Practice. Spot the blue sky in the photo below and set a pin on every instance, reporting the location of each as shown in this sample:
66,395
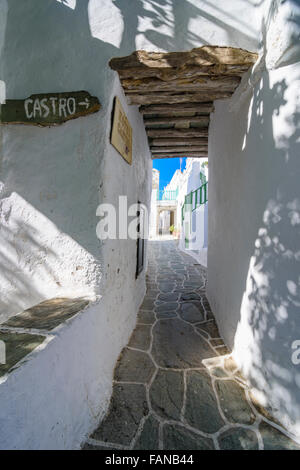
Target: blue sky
167,168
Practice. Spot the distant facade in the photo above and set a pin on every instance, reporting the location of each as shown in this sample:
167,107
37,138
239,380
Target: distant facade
163,209
170,212
194,210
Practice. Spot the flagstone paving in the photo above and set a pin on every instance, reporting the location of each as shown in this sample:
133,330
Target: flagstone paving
176,386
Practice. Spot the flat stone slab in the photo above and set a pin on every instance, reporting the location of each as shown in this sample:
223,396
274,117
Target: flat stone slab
149,437
176,437
207,308
140,337
151,285
166,314
153,294
202,333
222,350
146,317
273,439
189,296
49,314
233,402
217,342
182,290
211,328
170,277
201,404
16,347
168,297
148,303
166,307
176,345
191,312
134,366
218,372
166,394
238,439
166,287
127,408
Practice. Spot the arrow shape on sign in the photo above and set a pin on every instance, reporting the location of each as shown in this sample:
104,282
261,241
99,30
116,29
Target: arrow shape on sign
85,103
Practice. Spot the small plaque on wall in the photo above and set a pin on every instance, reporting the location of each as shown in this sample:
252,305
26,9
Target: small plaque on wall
121,134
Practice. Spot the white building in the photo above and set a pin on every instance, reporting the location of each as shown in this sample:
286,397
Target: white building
170,205
163,210
194,211
53,180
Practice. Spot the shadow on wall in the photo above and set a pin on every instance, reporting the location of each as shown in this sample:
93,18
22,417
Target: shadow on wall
269,318
12,276
13,268
59,172
65,26
57,52
211,19
37,261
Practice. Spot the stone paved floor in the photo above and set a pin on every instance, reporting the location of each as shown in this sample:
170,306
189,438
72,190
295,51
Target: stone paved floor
176,386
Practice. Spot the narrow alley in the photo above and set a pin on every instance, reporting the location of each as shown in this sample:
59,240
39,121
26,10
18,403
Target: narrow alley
149,225
175,385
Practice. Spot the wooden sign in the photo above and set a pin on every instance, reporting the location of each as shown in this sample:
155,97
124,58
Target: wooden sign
50,109
121,135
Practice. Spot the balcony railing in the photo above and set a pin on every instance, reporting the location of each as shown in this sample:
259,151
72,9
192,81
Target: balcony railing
194,199
167,195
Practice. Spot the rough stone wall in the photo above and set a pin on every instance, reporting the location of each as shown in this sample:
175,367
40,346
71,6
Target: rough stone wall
254,214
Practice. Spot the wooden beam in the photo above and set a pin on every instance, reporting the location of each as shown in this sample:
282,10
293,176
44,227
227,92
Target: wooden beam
170,73
201,108
205,55
203,120
178,142
194,132
191,148
202,84
173,98
182,125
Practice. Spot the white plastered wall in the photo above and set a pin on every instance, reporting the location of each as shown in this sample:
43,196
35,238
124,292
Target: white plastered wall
254,218
52,180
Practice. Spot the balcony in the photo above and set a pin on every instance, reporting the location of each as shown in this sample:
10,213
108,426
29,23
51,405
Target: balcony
167,195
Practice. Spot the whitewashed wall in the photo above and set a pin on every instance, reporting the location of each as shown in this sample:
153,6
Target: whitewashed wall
254,217
64,46
52,180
